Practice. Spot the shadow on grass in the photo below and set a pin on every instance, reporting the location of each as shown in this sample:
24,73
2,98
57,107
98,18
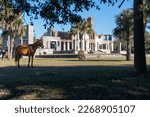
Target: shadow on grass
104,60
76,82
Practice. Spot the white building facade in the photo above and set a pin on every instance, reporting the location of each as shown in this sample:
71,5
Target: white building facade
28,38
93,42
65,42
57,41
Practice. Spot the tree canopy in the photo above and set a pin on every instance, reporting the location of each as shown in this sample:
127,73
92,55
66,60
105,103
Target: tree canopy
124,29
55,11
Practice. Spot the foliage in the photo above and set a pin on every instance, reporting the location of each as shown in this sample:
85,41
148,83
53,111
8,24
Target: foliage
124,29
11,23
147,42
83,27
117,43
56,11
124,25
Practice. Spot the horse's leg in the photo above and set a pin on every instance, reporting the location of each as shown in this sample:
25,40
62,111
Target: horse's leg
17,58
18,62
29,61
2,57
3,54
32,62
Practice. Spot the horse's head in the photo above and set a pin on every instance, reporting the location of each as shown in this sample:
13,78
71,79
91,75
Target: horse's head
39,43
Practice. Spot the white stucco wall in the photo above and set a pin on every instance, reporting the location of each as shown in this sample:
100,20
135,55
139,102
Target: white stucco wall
30,33
47,42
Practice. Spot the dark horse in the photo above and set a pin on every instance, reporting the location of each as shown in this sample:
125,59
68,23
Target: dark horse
4,54
27,50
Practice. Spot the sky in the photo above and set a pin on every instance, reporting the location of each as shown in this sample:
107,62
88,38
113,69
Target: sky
104,20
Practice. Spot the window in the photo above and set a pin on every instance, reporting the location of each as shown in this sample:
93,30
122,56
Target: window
104,46
105,37
70,45
110,37
62,46
53,44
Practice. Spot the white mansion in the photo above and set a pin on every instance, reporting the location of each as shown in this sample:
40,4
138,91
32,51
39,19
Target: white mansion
65,42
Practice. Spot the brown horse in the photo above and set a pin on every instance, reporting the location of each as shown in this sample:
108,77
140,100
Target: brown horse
81,55
27,50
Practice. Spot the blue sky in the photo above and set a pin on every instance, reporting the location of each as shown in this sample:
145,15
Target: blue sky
104,20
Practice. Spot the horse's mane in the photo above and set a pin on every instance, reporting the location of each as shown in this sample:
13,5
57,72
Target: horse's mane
34,43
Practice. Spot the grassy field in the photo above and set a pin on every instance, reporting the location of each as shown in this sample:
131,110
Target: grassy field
68,78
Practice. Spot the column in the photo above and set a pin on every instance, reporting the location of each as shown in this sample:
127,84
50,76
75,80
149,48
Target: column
112,46
56,47
76,46
120,47
97,46
47,44
78,41
79,45
68,46
108,46
64,46
73,45
87,45
83,44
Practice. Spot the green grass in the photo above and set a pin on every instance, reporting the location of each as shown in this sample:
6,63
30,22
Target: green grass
68,78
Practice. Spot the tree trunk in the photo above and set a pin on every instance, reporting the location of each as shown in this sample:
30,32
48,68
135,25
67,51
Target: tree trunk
139,40
9,47
128,56
21,40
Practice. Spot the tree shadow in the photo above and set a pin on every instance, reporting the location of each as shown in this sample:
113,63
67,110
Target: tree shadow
75,82
95,60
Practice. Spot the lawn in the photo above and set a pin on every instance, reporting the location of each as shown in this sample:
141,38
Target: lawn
68,78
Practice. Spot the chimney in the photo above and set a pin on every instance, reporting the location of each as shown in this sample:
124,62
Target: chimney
90,21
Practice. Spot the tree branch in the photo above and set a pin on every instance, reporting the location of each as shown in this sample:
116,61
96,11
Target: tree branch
121,3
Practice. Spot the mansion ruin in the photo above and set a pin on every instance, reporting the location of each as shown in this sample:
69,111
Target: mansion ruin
67,42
